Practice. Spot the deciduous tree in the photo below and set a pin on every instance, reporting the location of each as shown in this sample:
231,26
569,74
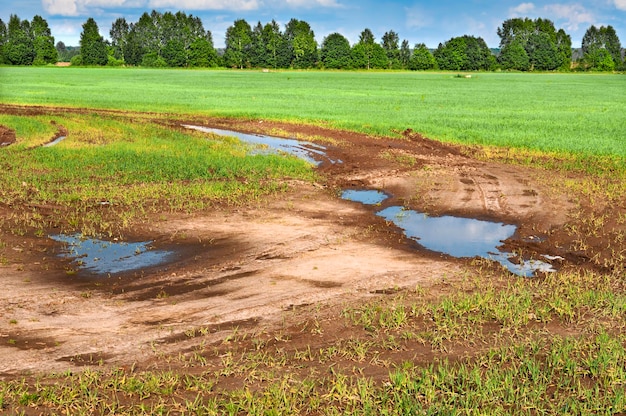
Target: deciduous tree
422,59
302,44
597,44
335,52
238,43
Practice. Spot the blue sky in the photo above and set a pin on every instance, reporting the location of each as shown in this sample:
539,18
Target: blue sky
429,22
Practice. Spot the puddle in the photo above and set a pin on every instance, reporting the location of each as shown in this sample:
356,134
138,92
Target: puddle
106,257
55,141
311,152
367,197
455,236
462,237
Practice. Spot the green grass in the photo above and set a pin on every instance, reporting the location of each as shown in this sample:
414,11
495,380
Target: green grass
574,113
134,167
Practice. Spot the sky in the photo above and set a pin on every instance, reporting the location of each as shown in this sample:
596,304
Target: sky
429,22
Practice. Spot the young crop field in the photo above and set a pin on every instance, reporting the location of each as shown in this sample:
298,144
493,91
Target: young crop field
275,295
578,113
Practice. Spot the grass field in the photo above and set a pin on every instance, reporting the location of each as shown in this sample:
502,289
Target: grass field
579,113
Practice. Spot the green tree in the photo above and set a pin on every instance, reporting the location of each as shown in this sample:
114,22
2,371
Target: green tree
3,40
43,42
391,44
405,54
546,48
363,51
335,52
466,53
93,48
302,44
422,59
514,57
596,44
276,46
202,53
238,44
119,36
258,51
542,52
19,48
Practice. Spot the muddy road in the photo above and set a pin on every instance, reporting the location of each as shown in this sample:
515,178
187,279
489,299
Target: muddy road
281,259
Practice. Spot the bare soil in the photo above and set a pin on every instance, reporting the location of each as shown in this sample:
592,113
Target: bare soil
273,264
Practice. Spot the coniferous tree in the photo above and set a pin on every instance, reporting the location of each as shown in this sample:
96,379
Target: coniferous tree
93,49
391,44
43,42
276,46
3,40
405,54
19,48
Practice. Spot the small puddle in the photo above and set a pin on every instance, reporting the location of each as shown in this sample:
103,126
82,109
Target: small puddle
455,236
367,197
107,257
309,151
55,141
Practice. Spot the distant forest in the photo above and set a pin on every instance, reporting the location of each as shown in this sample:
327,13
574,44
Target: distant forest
180,40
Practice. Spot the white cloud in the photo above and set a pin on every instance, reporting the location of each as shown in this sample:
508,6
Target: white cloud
238,5
620,4
572,14
522,9
417,18
84,7
60,7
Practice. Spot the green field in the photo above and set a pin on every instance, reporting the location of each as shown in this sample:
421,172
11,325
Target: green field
578,113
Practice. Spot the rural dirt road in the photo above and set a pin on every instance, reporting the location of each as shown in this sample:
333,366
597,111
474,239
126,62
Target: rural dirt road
271,264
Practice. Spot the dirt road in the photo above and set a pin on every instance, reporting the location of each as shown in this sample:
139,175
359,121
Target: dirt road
243,267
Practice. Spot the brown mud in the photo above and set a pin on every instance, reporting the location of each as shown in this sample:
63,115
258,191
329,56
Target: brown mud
273,264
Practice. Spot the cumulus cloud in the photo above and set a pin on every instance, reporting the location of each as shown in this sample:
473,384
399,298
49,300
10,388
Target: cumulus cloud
522,9
572,14
620,4
312,3
60,7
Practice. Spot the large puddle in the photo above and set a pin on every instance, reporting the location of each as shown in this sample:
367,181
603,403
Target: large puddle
107,257
455,236
309,151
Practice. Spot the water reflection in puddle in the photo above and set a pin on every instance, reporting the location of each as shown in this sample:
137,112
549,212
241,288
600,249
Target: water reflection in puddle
462,237
55,141
367,197
311,152
456,236
106,257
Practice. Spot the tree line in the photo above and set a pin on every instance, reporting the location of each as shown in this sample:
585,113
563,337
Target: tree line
180,40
